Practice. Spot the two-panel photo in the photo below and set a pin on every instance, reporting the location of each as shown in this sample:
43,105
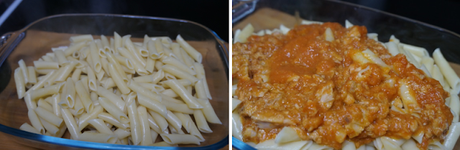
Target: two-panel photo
230,75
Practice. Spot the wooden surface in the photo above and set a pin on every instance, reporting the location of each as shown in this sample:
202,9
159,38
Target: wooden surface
13,112
267,18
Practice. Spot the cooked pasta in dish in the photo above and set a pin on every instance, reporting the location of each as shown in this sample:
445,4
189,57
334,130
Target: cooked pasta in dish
118,92
322,85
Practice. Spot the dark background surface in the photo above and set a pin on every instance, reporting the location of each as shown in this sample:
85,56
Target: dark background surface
441,13
213,14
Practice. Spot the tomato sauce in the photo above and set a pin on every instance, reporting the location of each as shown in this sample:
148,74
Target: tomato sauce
303,81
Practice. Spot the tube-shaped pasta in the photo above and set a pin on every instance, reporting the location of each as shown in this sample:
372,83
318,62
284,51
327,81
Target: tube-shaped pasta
81,38
31,75
200,91
136,131
138,66
83,120
24,70
153,124
159,47
189,49
112,120
150,65
199,68
177,107
70,123
49,127
96,60
189,125
187,59
124,61
118,80
121,133
145,127
173,120
44,104
105,65
201,122
114,99
35,121
35,94
48,116
20,83
179,73
27,127
60,56
175,47
100,126
186,96
46,65
138,89
153,54
113,110
105,43
112,60
176,63
76,75
160,120
78,107
152,104
130,46
84,96
209,112
75,47
66,70
69,95
108,83
56,108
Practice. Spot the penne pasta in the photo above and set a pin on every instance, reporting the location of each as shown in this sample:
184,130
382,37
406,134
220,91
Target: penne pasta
20,83
189,49
116,91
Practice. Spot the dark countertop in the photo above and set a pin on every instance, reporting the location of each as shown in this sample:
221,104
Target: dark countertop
441,13
213,14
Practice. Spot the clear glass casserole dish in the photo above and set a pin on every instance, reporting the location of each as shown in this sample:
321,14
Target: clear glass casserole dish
37,39
270,14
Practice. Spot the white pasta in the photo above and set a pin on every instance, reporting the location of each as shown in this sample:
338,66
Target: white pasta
118,91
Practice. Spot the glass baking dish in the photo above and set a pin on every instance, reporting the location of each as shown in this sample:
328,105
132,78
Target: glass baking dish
270,14
37,39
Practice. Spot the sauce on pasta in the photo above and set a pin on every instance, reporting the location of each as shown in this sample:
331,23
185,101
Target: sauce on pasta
316,86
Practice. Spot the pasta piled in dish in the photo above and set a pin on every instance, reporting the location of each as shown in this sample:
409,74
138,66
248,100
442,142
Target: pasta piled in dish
331,86
118,92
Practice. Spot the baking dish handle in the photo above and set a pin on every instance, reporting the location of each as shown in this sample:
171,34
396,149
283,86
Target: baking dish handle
8,42
226,48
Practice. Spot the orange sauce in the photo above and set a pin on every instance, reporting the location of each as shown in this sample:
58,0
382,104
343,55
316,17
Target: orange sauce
302,81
